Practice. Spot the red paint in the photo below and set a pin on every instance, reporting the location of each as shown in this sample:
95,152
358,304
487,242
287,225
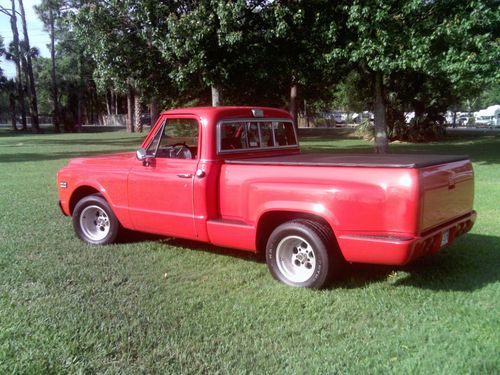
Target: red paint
378,214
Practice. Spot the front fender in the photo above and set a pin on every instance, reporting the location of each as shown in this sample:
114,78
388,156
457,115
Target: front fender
115,194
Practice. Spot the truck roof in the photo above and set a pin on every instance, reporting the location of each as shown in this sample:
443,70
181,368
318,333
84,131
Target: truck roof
235,111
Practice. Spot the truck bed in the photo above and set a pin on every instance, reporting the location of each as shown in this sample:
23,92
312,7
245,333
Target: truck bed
354,160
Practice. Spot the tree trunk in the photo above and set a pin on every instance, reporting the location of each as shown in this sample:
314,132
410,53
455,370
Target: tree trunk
153,111
24,68
215,96
130,110
12,105
17,60
454,123
55,96
109,104
293,103
79,112
137,113
381,142
35,126
90,118
306,115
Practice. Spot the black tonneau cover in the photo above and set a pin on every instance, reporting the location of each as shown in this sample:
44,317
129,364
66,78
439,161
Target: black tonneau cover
353,160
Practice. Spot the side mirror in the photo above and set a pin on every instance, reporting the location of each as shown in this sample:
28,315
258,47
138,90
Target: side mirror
140,154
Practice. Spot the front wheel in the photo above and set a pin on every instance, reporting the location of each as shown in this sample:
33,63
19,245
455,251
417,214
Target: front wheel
94,221
302,253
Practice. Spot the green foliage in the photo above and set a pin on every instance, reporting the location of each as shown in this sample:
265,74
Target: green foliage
299,37
41,70
220,44
252,51
490,96
365,130
118,37
152,305
352,93
432,55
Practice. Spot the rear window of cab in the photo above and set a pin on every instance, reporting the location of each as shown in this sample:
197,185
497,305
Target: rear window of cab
248,135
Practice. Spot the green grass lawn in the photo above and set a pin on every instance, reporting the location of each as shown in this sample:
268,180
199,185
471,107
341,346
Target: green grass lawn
152,305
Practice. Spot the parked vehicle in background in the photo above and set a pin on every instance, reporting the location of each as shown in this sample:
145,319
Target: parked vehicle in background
340,118
146,119
358,118
409,116
488,117
235,177
462,120
334,118
483,121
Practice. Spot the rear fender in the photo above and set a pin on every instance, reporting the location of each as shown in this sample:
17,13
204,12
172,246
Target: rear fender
309,208
279,212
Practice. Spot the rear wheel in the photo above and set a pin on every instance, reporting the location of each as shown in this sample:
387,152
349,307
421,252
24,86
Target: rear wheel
303,253
94,221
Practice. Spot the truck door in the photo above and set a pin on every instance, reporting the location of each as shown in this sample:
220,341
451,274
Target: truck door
160,187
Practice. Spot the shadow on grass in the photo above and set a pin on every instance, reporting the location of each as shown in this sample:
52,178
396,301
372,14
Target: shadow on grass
81,141
34,157
469,264
462,267
189,245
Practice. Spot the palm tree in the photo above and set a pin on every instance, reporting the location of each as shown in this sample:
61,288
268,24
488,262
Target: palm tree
47,11
9,86
13,54
35,125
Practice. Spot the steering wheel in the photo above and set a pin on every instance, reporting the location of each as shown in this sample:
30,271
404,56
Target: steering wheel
181,151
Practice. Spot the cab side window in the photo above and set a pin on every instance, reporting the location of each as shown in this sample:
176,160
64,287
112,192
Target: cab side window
177,138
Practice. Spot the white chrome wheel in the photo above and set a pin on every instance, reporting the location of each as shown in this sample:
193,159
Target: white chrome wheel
295,259
94,223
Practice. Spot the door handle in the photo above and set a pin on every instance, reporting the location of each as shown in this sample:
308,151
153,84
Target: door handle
185,175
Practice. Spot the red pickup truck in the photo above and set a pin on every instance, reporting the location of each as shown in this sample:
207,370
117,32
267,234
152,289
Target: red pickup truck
235,177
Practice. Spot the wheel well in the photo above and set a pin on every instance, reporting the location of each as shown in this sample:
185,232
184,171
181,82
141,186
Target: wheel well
80,193
270,220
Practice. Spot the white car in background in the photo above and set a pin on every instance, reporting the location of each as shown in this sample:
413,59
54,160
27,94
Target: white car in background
488,117
482,121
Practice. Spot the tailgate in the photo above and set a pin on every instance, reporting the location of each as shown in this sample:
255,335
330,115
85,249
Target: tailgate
447,193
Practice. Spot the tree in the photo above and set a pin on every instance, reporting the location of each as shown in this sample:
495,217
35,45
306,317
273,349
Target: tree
298,38
14,54
117,36
78,99
31,84
238,52
47,11
199,41
438,40
490,96
7,87
244,52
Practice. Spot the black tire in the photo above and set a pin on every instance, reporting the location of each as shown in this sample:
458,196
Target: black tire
303,253
94,221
